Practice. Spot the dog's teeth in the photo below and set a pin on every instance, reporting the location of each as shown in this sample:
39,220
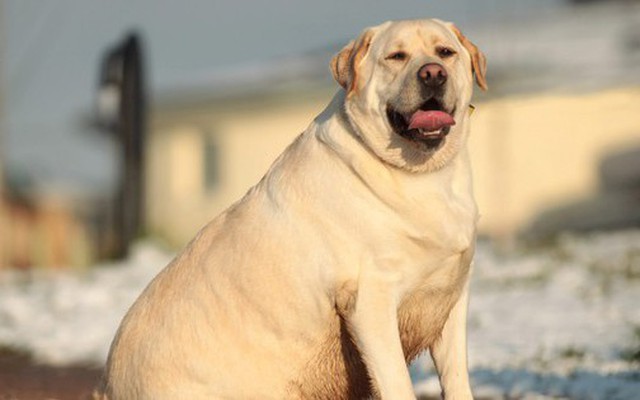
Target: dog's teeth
428,133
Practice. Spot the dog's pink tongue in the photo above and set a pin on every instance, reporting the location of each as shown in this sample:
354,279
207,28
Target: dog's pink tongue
430,120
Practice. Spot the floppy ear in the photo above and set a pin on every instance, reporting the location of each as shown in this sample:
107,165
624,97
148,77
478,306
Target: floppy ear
340,64
345,64
478,60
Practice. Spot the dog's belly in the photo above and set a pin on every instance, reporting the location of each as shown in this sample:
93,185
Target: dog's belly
336,370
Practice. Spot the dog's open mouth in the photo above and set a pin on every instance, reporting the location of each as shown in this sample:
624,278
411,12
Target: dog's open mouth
428,125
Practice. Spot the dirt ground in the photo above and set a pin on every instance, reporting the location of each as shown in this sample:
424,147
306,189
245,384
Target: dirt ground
23,379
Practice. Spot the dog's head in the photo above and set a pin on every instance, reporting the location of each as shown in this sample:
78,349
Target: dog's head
408,86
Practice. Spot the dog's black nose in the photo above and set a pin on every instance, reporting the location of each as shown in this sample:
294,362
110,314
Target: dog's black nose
432,75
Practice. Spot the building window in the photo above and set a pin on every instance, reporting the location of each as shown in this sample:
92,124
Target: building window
211,162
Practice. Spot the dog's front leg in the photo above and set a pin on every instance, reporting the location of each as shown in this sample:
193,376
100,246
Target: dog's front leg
373,323
449,353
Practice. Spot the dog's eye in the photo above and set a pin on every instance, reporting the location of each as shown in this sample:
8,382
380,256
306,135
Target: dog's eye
398,56
445,52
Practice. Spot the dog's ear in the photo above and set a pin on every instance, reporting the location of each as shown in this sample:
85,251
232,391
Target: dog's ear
478,60
345,64
340,64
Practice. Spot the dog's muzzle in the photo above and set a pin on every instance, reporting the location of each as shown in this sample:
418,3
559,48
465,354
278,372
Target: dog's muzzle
428,125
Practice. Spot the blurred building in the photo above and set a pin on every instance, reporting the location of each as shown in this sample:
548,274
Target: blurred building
530,151
552,112
534,152
206,148
46,229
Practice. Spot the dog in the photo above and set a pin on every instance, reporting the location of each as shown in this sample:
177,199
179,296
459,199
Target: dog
348,259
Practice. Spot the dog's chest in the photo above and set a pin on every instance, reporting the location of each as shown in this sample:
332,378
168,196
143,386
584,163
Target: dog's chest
437,274
424,311
439,212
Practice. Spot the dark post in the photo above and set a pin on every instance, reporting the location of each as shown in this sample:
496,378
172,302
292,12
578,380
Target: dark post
122,111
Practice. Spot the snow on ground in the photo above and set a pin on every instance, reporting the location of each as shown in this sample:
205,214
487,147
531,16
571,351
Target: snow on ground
554,322
65,317
560,321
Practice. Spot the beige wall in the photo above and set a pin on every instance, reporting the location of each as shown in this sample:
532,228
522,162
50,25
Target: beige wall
174,184
248,142
529,153
535,152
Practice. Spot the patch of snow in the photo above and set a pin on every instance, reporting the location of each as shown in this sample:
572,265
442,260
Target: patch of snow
553,322
65,317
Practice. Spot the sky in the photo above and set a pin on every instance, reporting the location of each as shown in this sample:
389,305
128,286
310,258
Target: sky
52,51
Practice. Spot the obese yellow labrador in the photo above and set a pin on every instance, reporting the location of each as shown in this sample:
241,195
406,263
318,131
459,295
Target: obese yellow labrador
347,260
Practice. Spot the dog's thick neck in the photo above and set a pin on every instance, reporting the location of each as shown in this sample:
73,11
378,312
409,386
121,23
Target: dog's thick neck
335,129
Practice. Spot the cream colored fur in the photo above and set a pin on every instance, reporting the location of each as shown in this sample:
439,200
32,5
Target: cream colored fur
348,259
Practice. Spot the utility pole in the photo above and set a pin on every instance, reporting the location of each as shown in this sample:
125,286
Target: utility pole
122,113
